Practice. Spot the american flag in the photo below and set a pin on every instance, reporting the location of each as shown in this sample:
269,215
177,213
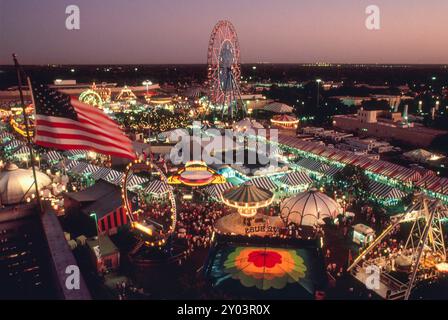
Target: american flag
63,122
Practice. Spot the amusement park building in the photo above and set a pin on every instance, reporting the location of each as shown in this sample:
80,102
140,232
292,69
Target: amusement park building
101,202
385,125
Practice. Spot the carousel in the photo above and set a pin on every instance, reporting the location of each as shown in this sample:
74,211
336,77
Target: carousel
285,121
248,199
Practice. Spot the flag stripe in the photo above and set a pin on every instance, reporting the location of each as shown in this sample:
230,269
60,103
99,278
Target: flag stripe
81,145
79,136
80,141
109,126
88,110
56,122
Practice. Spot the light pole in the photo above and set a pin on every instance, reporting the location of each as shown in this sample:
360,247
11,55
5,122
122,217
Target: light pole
95,217
147,83
318,81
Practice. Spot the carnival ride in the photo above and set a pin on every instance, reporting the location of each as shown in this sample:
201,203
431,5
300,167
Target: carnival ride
91,97
126,95
421,258
196,174
152,231
17,121
224,70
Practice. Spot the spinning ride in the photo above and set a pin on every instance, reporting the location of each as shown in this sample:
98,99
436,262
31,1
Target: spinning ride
151,230
422,256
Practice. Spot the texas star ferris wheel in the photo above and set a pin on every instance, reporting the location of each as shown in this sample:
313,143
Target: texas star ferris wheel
224,70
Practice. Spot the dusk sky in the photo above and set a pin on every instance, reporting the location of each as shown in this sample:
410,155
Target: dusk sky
177,31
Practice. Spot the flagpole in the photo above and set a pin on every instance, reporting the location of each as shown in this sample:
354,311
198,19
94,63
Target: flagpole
25,117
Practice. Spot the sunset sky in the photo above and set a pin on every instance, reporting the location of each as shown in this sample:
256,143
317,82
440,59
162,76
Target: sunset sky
177,31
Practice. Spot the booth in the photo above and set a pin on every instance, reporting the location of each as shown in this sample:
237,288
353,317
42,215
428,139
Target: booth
362,234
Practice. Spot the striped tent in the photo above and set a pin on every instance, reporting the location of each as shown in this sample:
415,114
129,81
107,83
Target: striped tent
295,179
134,180
75,153
79,168
331,171
264,183
70,164
4,135
216,190
90,169
101,173
14,144
114,177
21,151
383,191
312,165
434,183
156,187
380,167
52,156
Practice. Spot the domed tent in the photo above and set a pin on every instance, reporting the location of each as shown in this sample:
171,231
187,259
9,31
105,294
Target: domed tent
309,208
247,124
278,107
247,198
285,121
17,184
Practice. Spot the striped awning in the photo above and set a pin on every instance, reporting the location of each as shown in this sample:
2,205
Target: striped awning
383,191
380,167
4,135
14,144
20,151
90,169
216,190
312,165
101,173
52,156
331,171
434,183
79,168
75,153
134,180
70,164
114,177
264,183
156,187
294,179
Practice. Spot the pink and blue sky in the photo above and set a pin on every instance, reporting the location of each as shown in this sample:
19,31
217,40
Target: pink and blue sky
177,31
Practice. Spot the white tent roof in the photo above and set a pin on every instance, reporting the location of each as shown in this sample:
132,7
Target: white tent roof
278,107
176,134
307,208
247,124
17,184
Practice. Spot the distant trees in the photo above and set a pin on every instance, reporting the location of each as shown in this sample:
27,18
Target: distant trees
375,104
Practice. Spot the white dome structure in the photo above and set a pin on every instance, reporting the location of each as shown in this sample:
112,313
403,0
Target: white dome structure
309,208
18,184
278,107
247,124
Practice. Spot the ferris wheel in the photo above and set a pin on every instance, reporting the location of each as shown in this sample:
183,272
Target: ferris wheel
151,230
91,97
224,69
